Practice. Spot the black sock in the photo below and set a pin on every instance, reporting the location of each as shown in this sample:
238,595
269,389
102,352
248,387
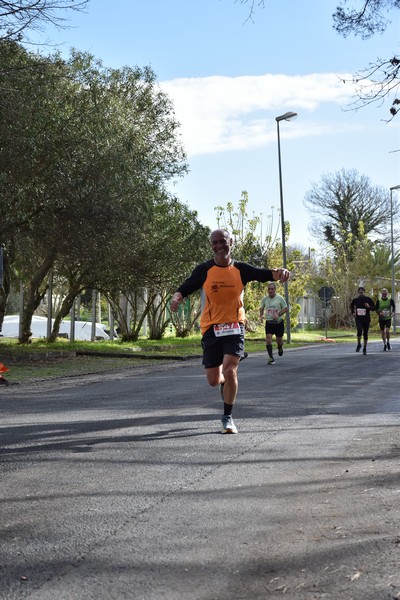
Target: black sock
269,350
227,409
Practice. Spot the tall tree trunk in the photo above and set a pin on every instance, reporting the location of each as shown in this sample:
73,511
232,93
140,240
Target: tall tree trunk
128,332
74,289
34,294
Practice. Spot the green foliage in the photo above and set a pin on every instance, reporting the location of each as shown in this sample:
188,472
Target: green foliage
87,153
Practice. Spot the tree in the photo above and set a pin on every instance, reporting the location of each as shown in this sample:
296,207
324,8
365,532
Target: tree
370,266
377,82
380,265
25,96
86,152
131,130
381,78
345,206
16,18
178,242
366,20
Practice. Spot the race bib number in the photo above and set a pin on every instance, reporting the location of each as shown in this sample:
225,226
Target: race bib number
385,313
272,314
223,329
361,312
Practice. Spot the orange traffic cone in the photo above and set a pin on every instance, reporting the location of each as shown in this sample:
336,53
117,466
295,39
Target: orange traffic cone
3,369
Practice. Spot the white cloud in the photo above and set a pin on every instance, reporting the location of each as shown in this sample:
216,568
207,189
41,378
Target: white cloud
235,113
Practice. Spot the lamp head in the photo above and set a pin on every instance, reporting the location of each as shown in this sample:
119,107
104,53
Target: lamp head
395,187
289,116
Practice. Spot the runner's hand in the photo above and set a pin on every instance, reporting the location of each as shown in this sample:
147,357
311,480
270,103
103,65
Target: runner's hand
281,275
175,302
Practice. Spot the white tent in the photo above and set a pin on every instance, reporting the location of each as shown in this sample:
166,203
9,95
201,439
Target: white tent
83,329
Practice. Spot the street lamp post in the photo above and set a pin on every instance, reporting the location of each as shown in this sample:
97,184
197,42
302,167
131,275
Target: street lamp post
395,187
286,117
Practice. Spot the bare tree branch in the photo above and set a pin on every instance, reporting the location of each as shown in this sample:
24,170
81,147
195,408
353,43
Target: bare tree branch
364,21
20,16
377,83
381,79
253,5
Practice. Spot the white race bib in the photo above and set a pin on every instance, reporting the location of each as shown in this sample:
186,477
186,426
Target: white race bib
272,313
227,329
361,312
386,313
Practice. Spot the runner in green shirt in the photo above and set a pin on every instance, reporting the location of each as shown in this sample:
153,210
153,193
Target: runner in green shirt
275,306
385,309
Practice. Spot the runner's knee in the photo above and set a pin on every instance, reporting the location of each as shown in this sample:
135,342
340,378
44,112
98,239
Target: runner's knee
230,370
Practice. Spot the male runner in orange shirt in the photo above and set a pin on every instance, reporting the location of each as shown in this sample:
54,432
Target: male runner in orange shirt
222,281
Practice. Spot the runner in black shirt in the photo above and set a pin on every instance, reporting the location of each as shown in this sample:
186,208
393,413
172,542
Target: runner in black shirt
361,308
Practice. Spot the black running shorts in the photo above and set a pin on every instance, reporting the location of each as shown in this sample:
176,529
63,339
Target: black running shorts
385,323
277,329
215,348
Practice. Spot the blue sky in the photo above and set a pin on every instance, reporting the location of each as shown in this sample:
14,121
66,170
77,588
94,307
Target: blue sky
229,77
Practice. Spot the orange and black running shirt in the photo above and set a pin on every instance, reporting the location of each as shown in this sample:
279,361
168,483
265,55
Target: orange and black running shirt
222,290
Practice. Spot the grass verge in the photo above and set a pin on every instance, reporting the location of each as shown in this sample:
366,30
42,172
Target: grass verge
40,360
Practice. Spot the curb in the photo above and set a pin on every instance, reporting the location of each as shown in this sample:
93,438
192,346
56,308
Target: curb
129,355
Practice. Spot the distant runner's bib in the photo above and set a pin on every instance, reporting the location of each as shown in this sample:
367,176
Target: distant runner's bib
227,329
361,312
273,314
386,313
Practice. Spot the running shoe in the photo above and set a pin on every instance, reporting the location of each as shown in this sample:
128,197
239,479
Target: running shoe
358,348
280,350
221,390
228,426
384,348
271,361
364,351
245,355
388,346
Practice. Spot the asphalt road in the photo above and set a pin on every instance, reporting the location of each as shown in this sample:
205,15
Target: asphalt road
121,486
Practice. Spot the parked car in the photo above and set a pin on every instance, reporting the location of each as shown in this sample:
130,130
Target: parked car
83,329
